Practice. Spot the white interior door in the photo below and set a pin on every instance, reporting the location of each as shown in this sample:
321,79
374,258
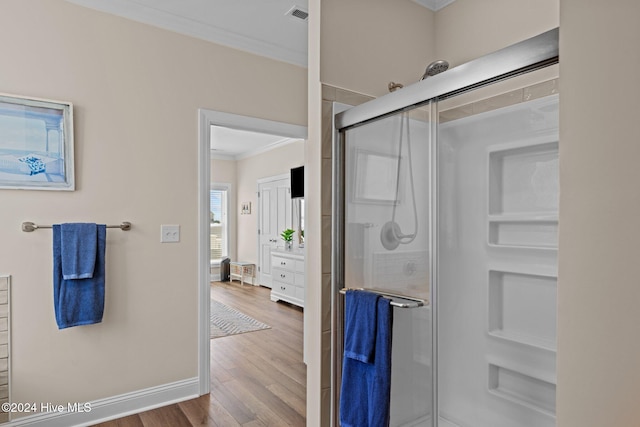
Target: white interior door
497,267
274,200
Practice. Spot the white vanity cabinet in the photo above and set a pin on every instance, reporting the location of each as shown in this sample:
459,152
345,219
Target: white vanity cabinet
287,272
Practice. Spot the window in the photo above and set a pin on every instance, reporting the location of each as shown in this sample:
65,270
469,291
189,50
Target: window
219,223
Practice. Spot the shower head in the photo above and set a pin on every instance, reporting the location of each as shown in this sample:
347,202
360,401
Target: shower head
436,67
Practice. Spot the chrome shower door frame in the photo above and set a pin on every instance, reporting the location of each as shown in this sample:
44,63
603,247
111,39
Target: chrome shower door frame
529,55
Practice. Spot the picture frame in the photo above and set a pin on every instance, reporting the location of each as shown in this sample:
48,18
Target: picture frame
245,208
375,178
36,144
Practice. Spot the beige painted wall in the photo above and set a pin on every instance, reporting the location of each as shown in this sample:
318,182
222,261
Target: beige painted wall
468,29
271,163
225,172
317,398
599,291
365,44
136,91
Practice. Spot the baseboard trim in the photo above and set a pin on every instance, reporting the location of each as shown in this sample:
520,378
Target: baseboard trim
115,407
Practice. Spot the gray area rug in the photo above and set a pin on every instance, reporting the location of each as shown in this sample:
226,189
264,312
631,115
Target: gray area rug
227,321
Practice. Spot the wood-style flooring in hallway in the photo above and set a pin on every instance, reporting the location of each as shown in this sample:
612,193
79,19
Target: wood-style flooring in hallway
257,378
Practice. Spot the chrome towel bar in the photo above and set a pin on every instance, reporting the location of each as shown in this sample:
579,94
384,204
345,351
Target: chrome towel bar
30,226
407,302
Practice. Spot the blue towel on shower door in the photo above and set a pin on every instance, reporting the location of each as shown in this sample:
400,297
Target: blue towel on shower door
366,367
78,301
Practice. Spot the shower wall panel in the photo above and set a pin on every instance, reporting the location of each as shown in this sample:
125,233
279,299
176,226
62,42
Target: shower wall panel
497,257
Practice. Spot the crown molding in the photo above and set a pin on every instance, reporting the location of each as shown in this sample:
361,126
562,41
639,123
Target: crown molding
434,5
280,143
158,18
273,146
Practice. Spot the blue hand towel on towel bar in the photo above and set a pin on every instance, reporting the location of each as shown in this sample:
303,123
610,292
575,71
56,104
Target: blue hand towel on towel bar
366,367
79,246
78,301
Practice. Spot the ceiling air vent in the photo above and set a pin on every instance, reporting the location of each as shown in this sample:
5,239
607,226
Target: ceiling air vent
298,12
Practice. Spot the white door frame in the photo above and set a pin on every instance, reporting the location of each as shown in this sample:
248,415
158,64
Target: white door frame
206,118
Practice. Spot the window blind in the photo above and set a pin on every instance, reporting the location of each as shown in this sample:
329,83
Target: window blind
217,223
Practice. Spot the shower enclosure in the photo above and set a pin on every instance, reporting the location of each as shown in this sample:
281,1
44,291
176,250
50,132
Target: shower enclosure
446,201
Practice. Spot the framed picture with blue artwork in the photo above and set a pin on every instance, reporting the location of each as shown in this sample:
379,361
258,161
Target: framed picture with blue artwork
36,144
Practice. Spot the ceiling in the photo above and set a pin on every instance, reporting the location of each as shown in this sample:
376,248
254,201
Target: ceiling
262,27
232,144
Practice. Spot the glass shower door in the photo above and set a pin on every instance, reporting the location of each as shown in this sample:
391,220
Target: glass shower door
460,209
387,243
497,223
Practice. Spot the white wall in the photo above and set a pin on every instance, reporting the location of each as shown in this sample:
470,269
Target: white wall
136,91
273,162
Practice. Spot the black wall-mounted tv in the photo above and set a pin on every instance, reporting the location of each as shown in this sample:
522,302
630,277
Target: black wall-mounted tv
297,182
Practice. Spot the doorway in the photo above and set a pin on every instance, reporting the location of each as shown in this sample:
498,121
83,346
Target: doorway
206,120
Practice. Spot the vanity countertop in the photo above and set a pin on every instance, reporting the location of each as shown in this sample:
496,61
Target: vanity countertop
298,252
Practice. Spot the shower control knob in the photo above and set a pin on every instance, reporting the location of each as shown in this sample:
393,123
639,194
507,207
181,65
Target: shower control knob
409,268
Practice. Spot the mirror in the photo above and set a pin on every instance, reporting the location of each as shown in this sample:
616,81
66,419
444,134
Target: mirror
298,219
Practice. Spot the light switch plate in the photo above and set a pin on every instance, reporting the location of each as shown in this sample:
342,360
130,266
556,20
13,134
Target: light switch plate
169,233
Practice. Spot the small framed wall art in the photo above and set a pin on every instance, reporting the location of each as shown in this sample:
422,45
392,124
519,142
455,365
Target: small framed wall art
36,144
245,208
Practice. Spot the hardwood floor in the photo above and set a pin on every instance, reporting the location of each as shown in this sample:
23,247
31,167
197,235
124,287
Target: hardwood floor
257,378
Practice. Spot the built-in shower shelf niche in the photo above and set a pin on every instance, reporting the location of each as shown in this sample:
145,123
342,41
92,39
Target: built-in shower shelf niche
523,177
525,389
529,231
522,308
523,194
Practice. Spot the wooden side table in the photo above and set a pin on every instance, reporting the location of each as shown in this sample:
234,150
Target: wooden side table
240,270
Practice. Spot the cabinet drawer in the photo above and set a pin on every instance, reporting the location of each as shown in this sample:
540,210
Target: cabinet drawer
299,266
284,276
284,289
280,262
